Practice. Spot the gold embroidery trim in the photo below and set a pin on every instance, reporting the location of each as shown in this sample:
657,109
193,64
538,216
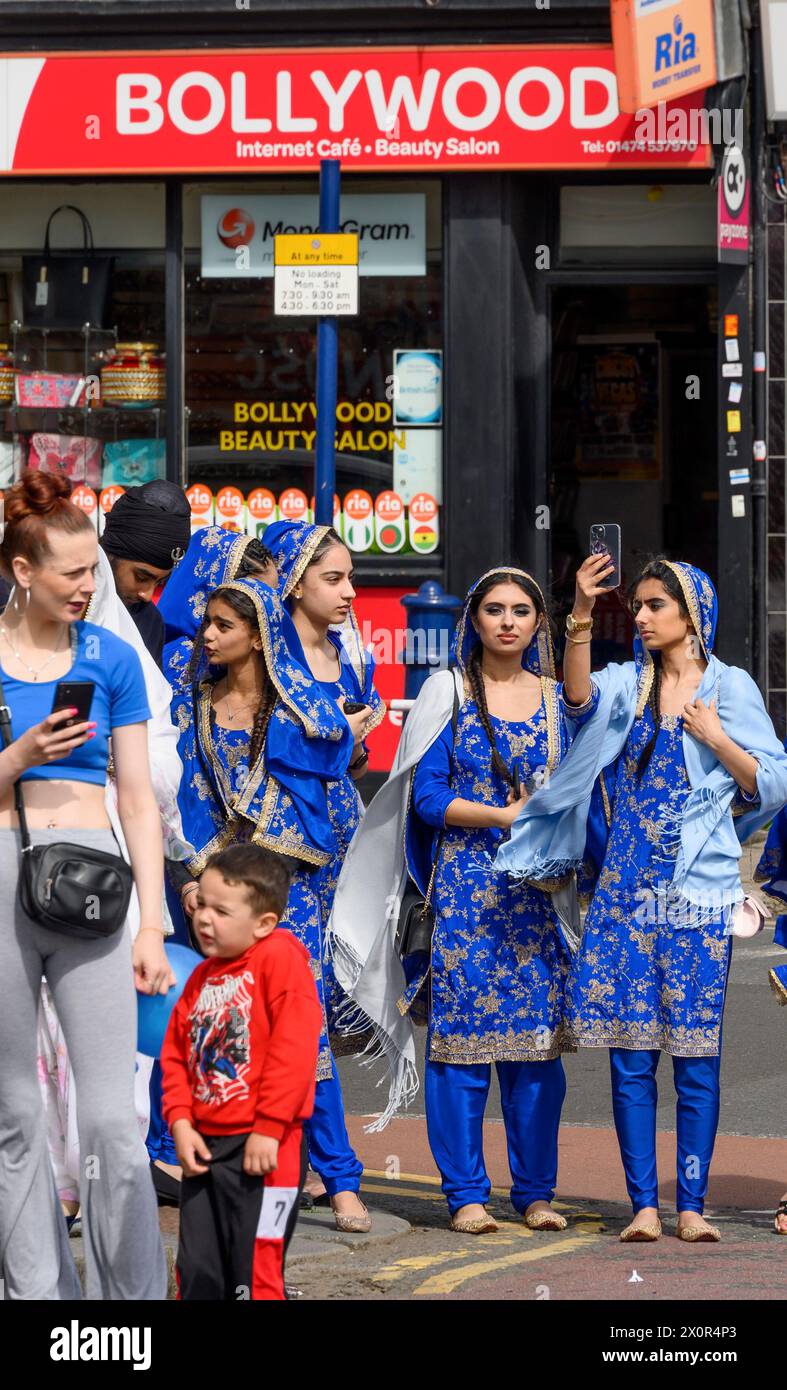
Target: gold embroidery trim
605,799
552,710
236,553
220,841
544,647
692,605
511,1047
304,559
647,1037
647,673
270,661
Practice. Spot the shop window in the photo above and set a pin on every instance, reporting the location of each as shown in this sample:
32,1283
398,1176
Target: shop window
250,376
624,223
82,390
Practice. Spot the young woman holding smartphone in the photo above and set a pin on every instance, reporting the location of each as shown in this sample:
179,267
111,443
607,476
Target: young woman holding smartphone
50,552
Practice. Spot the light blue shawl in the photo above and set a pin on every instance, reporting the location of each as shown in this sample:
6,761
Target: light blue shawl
548,838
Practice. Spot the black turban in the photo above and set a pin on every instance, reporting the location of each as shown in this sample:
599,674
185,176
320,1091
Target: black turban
150,524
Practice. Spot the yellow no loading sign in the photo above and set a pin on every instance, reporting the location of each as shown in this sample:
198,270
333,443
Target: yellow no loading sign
316,248
315,274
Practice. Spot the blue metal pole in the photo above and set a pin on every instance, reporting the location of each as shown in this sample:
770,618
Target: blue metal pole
327,360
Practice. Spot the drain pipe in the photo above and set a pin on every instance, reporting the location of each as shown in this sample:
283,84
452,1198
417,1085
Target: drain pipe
759,328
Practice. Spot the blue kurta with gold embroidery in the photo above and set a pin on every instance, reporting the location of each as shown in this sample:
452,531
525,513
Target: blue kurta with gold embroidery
344,813
303,916
499,966
645,976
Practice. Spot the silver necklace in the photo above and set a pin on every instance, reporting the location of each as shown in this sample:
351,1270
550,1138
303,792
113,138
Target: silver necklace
35,671
230,712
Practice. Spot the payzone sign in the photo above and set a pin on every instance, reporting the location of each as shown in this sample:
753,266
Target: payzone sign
518,107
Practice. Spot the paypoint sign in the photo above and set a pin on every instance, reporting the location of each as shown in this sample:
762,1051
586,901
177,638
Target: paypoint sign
397,109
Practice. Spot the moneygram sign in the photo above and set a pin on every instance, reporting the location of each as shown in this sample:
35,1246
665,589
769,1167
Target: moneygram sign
375,109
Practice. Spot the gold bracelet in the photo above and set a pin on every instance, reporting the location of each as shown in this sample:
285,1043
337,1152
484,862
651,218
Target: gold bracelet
579,641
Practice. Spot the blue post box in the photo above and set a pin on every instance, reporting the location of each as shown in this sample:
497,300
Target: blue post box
431,620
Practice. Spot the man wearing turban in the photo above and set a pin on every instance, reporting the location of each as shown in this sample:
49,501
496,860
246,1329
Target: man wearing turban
146,533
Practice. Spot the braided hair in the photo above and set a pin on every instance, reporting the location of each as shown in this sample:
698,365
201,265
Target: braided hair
244,609
254,561
660,570
474,669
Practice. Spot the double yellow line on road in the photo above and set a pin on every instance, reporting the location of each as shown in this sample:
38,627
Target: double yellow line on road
511,1233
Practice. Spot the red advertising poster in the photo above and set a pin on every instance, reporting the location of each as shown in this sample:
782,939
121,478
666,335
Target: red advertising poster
513,107
382,620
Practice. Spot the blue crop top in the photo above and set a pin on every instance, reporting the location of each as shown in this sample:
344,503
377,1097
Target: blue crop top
119,698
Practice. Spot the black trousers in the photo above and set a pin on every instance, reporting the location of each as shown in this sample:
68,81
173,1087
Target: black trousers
234,1228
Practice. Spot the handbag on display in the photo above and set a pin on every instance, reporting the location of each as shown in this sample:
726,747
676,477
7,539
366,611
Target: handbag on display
66,289
56,390
76,457
72,889
415,927
128,462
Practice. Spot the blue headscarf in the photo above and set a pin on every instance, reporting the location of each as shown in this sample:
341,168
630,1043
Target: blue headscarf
282,803
293,545
548,837
213,558
538,656
702,604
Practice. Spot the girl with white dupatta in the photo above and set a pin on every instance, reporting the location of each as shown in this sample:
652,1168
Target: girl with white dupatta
54,1069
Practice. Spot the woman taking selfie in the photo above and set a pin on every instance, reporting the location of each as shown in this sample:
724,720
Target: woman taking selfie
49,551
691,767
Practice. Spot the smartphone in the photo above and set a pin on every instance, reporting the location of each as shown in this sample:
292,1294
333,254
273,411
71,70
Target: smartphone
76,695
517,783
605,536
353,706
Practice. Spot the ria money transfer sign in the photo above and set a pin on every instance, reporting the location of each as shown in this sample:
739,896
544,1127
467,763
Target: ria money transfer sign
513,107
663,49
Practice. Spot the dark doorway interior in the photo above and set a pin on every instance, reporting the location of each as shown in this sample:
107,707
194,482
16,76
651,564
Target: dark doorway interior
633,433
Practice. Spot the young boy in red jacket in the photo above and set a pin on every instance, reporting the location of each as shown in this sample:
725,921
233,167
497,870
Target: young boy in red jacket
239,1064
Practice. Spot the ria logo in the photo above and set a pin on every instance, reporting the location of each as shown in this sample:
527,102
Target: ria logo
676,47
235,228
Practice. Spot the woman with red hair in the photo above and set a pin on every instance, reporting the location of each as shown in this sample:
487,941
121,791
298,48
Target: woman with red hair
49,551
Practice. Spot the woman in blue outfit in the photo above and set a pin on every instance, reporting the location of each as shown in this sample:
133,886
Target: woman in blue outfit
498,956
214,556
692,766
260,741
315,571
498,963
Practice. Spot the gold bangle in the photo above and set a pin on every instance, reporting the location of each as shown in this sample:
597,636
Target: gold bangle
579,641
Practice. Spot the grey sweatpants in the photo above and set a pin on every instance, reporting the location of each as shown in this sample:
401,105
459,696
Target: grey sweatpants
93,989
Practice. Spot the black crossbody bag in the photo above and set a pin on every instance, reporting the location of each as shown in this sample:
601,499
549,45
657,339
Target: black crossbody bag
72,889
415,928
